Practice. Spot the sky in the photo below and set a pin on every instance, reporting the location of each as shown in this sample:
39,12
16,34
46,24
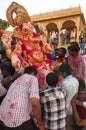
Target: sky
42,6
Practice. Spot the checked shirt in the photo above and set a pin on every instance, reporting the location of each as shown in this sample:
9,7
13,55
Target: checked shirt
53,108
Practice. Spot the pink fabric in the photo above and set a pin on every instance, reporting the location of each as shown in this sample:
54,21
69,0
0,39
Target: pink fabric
84,67
16,106
76,64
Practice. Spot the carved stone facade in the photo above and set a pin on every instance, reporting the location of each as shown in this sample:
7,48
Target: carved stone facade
69,19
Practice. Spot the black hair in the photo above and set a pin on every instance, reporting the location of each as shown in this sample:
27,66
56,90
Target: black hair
63,50
82,90
52,79
30,69
82,84
74,43
74,46
6,66
56,49
65,67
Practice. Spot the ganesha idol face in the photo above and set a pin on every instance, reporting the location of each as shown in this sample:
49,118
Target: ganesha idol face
27,28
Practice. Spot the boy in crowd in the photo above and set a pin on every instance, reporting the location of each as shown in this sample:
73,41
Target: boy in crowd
53,104
70,86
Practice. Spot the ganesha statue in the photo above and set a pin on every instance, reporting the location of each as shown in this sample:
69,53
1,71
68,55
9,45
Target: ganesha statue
31,49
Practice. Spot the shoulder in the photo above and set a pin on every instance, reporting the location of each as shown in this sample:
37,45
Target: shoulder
70,80
51,91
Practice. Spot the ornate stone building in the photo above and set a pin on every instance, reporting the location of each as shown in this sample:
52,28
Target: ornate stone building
69,19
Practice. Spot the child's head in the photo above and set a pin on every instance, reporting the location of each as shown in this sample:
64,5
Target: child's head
6,69
52,79
65,69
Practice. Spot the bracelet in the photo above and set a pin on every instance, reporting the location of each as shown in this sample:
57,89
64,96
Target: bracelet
11,78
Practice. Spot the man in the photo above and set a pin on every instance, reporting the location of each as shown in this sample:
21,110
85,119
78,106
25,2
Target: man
22,98
8,76
53,105
78,120
78,105
70,86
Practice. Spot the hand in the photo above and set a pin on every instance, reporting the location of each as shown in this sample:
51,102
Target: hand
6,41
25,64
16,75
21,70
41,127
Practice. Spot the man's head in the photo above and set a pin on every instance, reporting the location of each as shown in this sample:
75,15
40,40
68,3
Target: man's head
52,79
30,70
73,49
6,69
65,69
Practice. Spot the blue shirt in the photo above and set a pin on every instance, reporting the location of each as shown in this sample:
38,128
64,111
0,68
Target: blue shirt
70,86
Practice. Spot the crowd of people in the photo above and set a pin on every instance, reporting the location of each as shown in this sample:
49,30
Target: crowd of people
65,37
41,87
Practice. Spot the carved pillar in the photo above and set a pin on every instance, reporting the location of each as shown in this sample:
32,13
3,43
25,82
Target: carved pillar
59,42
59,30
78,27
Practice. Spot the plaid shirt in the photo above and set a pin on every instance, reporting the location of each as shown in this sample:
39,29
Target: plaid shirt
53,106
16,107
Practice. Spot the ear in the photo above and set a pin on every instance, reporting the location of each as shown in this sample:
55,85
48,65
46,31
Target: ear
64,74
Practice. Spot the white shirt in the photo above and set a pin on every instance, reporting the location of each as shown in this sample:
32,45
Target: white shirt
16,106
70,86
